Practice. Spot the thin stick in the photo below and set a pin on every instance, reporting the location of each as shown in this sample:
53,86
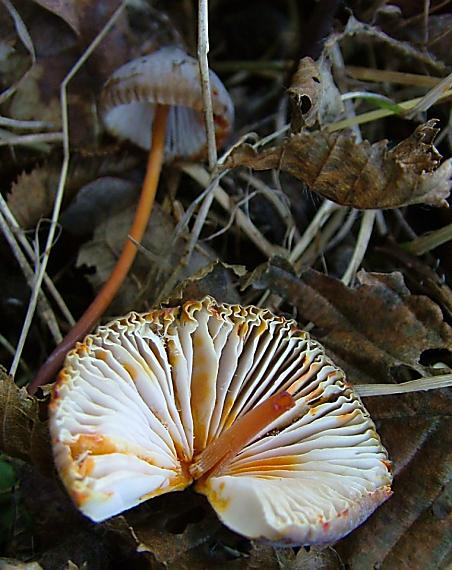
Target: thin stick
18,231
61,185
44,308
419,385
121,269
203,50
245,429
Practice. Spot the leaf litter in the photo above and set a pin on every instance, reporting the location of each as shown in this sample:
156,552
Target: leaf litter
392,324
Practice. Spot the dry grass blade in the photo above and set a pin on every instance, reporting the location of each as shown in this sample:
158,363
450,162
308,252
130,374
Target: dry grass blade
61,185
25,38
45,310
431,97
28,140
419,385
390,76
19,233
427,242
201,175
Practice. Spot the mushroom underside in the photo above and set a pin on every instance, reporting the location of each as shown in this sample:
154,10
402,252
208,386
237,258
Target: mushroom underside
185,132
138,402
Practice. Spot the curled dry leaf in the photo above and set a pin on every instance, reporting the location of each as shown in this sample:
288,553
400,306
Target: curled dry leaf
304,94
374,332
22,433
360,175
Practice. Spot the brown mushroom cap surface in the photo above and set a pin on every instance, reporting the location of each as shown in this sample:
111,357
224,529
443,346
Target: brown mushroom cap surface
167,77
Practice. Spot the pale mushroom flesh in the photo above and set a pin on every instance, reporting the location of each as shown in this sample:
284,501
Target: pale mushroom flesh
139,400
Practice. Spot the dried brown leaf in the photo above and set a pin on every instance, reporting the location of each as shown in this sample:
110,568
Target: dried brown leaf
412,530
38,96
64,9
375,331
355,28
304,94
22,433
216,279
371,331
31,197
360,175
156,261
182,532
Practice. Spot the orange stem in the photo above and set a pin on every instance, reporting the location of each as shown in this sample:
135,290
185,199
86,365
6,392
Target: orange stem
220,452
105,296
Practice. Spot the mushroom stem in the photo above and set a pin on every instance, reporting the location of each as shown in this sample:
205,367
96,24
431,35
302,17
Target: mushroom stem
222,450
105,296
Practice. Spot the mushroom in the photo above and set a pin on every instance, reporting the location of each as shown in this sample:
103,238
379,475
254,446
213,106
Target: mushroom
170,77
235,399
157,97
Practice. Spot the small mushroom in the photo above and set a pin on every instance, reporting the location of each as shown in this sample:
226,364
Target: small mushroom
166,77
158,98
235,399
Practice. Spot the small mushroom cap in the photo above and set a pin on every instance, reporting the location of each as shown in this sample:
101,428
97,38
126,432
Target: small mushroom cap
139,400
168,77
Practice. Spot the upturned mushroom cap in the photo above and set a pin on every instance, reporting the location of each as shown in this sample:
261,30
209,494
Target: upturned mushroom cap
169,77
138,401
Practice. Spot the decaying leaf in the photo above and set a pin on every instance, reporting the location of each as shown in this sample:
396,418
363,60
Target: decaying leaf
358,29
375,332
65,9
22,433
37,97
331,106
96,201
153,265
412,530
31,197
360,175
372,331
180,532
304,93
216,279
